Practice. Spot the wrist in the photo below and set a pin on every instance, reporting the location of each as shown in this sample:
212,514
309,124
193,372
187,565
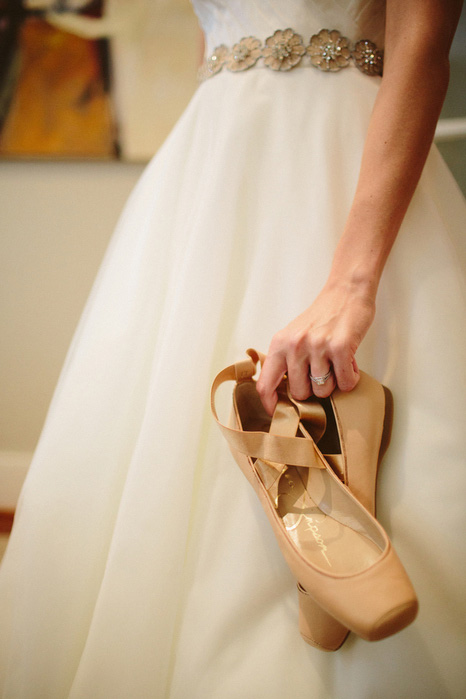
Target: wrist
360,257
354,278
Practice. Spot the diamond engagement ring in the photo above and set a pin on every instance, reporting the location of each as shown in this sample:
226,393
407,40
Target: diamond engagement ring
320,380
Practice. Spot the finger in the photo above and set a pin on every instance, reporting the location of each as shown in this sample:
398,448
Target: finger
346,373
298,377
323,379
271,374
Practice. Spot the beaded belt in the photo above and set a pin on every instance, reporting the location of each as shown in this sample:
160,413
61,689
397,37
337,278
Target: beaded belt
328,50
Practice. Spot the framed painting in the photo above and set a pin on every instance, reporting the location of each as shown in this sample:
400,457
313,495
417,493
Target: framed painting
102,79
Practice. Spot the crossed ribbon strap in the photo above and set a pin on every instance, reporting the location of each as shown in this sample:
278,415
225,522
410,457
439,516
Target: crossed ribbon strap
278,448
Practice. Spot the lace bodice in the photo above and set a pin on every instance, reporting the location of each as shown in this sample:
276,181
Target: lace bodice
227,21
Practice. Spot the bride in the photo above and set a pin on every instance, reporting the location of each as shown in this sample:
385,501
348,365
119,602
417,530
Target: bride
139,564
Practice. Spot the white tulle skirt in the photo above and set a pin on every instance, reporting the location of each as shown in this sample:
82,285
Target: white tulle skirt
141,565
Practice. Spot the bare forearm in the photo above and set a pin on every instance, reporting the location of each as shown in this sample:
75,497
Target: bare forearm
400,133
327,334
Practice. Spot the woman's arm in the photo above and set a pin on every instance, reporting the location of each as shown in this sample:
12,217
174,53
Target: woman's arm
401,129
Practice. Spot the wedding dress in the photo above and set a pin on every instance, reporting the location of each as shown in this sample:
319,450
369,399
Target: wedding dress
141,564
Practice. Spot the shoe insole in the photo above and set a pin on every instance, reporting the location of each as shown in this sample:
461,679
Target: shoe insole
307,499
323,540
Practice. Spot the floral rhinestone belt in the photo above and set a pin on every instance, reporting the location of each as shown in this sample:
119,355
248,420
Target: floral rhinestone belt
328,50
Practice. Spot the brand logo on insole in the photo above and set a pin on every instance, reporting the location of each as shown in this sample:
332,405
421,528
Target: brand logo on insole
312,526
314,529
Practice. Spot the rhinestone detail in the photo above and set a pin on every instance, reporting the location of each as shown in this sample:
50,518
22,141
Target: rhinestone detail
327,50
283,50
244,54
368,58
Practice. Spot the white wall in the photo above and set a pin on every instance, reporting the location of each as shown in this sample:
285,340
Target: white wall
56,220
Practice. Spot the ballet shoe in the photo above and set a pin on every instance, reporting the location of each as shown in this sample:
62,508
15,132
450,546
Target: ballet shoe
317,627
336,549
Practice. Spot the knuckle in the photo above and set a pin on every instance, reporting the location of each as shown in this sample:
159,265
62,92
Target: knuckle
275,345
297,342
300,393
318,343
339,346
347,384
278,342
261,388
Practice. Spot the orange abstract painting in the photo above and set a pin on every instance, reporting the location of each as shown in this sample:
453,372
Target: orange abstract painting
55,97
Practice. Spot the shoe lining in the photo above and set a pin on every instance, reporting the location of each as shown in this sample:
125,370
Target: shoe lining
332,531
322,539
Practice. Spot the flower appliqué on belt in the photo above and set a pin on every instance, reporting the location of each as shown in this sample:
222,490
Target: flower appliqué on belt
215,62
329,50
368,58
283,50
244,54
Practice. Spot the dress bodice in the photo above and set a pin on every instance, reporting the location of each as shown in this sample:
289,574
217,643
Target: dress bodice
227,21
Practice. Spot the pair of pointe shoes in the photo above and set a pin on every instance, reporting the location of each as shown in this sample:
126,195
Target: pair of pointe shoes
313,466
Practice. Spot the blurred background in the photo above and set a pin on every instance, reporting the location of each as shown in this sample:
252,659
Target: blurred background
88,92
93,79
